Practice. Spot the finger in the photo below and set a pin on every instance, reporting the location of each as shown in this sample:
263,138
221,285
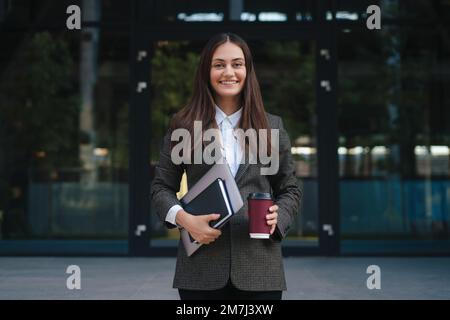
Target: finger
212,240
272,229
271,222
207,240
214,233
271,216
212,216
273,208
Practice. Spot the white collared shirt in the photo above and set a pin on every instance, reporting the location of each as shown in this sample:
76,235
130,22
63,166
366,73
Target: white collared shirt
230,144
231,150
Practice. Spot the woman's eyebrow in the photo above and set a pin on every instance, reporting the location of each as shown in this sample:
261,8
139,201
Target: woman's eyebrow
223,60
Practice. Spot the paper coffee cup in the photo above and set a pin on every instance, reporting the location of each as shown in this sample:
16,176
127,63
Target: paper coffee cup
258,207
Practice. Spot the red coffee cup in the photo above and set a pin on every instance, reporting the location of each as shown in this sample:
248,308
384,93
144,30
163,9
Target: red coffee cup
258,207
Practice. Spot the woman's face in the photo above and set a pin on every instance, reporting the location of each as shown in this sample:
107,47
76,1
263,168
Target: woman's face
228,70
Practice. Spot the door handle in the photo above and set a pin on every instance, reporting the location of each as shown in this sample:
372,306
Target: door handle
328,228
326,85
140,228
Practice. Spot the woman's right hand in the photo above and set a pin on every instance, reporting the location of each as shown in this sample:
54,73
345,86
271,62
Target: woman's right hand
198,226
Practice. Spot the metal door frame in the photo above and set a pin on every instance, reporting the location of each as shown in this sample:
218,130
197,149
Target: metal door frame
143,35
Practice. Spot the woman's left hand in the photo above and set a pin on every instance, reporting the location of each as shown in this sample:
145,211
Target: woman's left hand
272,218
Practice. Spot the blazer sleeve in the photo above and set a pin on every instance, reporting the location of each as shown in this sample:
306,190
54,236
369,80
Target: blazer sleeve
166,183
285,187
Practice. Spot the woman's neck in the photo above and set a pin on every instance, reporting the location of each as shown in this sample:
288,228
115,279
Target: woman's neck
228,106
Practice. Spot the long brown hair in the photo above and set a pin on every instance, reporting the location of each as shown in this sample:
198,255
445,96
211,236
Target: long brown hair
201,106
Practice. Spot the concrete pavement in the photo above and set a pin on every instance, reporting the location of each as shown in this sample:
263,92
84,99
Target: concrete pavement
151,278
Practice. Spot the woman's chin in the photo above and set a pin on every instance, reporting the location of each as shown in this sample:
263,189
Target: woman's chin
229,92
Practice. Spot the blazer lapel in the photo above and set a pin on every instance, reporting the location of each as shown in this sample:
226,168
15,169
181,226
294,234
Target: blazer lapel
242,167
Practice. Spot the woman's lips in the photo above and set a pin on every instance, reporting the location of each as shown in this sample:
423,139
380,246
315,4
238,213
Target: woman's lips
228,82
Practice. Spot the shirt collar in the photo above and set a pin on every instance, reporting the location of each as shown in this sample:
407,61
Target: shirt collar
233,118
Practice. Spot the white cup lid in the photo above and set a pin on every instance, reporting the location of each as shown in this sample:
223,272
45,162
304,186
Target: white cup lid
260,235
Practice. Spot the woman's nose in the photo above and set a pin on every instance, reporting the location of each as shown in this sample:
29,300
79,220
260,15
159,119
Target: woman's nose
228,70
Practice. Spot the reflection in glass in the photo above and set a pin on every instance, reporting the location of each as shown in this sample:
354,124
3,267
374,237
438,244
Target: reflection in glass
177,11
286,72
63,145
394,154
413,11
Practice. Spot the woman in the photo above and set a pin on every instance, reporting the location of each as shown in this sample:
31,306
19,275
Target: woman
229,265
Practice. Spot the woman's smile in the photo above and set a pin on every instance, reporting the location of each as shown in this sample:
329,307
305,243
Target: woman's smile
228,82
228,74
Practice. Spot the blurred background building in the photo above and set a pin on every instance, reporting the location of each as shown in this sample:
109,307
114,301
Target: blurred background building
83,112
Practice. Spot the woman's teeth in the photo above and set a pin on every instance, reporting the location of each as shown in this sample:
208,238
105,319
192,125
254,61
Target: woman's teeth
228,82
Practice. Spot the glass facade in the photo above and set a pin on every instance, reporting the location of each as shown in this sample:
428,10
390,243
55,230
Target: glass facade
394,112
64,137
70,102
246,11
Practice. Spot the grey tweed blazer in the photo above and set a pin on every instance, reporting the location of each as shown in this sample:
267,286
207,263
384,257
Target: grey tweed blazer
251,264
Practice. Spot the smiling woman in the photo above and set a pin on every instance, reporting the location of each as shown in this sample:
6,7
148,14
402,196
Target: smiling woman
230,265
225,58
228,75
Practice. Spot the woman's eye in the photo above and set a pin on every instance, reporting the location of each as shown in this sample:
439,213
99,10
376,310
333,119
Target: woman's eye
218,66
238,65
